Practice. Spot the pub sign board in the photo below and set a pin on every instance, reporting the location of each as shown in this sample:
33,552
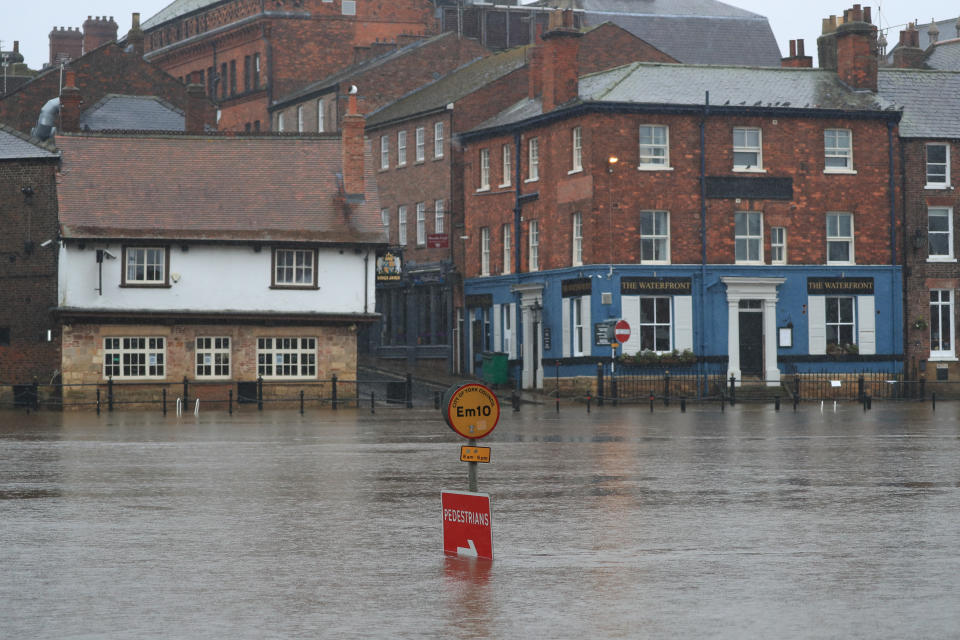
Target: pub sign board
636,285
389,266
576,287
826,286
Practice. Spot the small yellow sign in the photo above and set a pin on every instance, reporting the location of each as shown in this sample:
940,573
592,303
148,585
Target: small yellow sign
472,410
474,454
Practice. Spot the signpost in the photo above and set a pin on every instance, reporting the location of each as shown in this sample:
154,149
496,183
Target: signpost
467,524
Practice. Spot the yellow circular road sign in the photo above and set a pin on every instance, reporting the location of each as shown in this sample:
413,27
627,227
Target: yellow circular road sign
472,410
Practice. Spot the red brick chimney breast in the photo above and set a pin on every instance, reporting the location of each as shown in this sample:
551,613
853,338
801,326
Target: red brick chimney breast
560,70
857,50
70,101
351,132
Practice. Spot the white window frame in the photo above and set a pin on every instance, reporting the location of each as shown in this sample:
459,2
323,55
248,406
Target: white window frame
421,224
576,143
576,257
778,245
277,356
654,145
145,266
506,156
533,257
838,151
385,219
834,236
656,239
507,248
438,213
748,238
420,138
937,184
402,225
294,267
484,251
833,329
947,234
438,139
320,125
300,118
484,170
533,159
134,357
384,152
654,322
401,148
280,124
212,357
941,308
743,145
579,338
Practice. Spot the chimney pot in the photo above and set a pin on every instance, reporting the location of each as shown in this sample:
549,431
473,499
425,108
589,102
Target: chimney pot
800,48
16,46
793,48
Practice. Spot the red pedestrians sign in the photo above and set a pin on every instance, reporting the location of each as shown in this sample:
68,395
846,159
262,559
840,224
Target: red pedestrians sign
467,527
621,331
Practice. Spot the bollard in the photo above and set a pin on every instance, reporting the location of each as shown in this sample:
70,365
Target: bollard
230,402
796,401
588,404
98,400
259,393
722,402
36,395
651,403
613,391
860,388
933,397
869,402
164,395
733,390
599,384
409,391
776,403
333,391
110,393
666,389
186,392
558,404
515,400
683,404
301,401
436,400
372,403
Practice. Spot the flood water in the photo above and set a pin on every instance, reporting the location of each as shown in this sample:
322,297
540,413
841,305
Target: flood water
615,524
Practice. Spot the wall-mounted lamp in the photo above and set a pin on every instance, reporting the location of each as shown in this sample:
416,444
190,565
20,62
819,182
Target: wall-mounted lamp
612,160
919,239
27,193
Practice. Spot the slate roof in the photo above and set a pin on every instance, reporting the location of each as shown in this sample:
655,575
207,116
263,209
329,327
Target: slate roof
451,87
928,99
361,67
132,113
692,31
176,9
685,85
19,146
947,28
945,56
265,188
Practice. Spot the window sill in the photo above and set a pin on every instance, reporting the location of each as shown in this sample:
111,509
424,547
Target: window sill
746,170
842,172
947,357
504,186
293,287
145,285
841,264
654,167
401,166
419,162
573,171
944,259
483,189
435,158
532,180
938,187
668,262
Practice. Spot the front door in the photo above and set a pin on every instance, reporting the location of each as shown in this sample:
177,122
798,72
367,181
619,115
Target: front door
751,338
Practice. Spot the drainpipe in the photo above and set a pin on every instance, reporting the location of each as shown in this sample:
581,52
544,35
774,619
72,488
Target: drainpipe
703,232
893,242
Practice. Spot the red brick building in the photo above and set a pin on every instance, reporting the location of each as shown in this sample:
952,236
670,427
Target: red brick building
28,263
250,53
421,191
744,215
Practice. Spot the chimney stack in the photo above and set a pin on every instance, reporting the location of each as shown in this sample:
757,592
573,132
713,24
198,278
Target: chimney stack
797,57
908,54
856,49
65,44
352,142
98,32
135,36
70,100
199,111
560,71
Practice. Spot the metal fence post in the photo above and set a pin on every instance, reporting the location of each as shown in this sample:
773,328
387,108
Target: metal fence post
409,391
599,384
301,401
333,391
230,401
110,393
36,394
163,395
733,390
186,391
666,389
98,400
860,388
259,393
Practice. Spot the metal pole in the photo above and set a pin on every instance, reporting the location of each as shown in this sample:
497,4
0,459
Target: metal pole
472,470
333,391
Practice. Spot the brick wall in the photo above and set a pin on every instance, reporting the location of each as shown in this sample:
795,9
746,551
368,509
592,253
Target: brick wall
610,202
28,276
106,70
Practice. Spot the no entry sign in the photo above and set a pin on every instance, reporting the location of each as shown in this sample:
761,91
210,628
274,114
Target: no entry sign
467,526
621,331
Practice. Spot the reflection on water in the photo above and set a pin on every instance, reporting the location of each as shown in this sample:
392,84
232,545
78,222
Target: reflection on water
617,523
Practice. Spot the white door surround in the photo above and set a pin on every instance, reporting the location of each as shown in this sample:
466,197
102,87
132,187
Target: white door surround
764,289
531,308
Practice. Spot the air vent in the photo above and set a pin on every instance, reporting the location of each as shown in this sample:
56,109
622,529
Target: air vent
606,298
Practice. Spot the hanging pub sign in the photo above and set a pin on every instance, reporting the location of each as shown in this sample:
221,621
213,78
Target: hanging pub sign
825,286
389,266
576,287
632,285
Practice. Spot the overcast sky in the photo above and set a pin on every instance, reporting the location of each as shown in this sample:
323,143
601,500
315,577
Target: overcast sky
31,22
